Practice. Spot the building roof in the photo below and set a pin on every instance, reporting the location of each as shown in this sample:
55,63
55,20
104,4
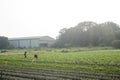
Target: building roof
34,37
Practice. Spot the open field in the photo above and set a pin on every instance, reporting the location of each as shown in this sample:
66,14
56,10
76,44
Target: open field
61,64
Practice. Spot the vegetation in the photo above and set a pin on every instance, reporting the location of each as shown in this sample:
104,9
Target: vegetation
89,34
90,63
85,34
4,42
116,44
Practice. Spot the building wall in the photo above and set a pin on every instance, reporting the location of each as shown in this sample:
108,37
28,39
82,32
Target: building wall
14,43
24,43
34,43
31,43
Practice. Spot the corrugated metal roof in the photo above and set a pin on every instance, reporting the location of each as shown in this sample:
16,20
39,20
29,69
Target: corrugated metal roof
34,37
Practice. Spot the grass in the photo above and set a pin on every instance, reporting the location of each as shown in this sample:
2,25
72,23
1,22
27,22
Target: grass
64,64
97,59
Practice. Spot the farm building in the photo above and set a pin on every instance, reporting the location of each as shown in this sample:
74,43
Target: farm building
31,42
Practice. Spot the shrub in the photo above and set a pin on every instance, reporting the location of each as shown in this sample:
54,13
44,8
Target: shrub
4,43
3,51
116,44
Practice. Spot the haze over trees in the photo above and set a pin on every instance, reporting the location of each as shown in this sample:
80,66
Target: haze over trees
85,34
89,33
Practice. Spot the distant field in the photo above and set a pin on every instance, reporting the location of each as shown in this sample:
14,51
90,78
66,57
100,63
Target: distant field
90,60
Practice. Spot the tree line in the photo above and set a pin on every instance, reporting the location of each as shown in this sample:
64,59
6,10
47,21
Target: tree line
89,33
84,34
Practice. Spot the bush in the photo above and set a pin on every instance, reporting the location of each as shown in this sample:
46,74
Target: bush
4,43
3,51
116,44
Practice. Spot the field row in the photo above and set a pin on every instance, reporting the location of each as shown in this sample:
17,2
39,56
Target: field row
86,65
55,62
53,74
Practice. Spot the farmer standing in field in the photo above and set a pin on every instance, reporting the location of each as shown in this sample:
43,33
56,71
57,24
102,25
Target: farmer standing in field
25,54
36,56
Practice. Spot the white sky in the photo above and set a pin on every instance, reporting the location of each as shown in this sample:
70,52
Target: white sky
23,18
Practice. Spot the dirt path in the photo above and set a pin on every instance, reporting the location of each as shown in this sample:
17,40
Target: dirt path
9,54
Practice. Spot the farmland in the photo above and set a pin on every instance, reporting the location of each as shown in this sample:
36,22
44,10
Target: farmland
61,64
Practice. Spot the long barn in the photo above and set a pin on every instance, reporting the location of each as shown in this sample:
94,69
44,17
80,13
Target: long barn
31,42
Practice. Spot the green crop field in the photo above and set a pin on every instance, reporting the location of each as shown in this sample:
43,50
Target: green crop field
62,64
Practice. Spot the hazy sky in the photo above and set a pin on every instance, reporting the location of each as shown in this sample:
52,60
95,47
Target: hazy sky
22,18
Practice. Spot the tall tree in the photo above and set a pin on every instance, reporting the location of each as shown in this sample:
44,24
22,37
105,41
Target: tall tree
89,33
108,32
4,42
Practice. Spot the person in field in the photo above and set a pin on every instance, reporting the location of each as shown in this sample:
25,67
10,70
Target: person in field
36,56
25,54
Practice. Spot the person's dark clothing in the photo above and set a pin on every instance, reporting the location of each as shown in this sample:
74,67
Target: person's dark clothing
35,56
25,54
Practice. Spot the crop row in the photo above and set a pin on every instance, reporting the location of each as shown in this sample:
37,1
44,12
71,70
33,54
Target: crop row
45,74
55,62
33,69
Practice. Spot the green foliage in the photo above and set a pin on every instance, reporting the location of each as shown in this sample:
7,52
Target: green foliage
73,58
3,51
88,33
116,44
117,34
89,63
4,42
